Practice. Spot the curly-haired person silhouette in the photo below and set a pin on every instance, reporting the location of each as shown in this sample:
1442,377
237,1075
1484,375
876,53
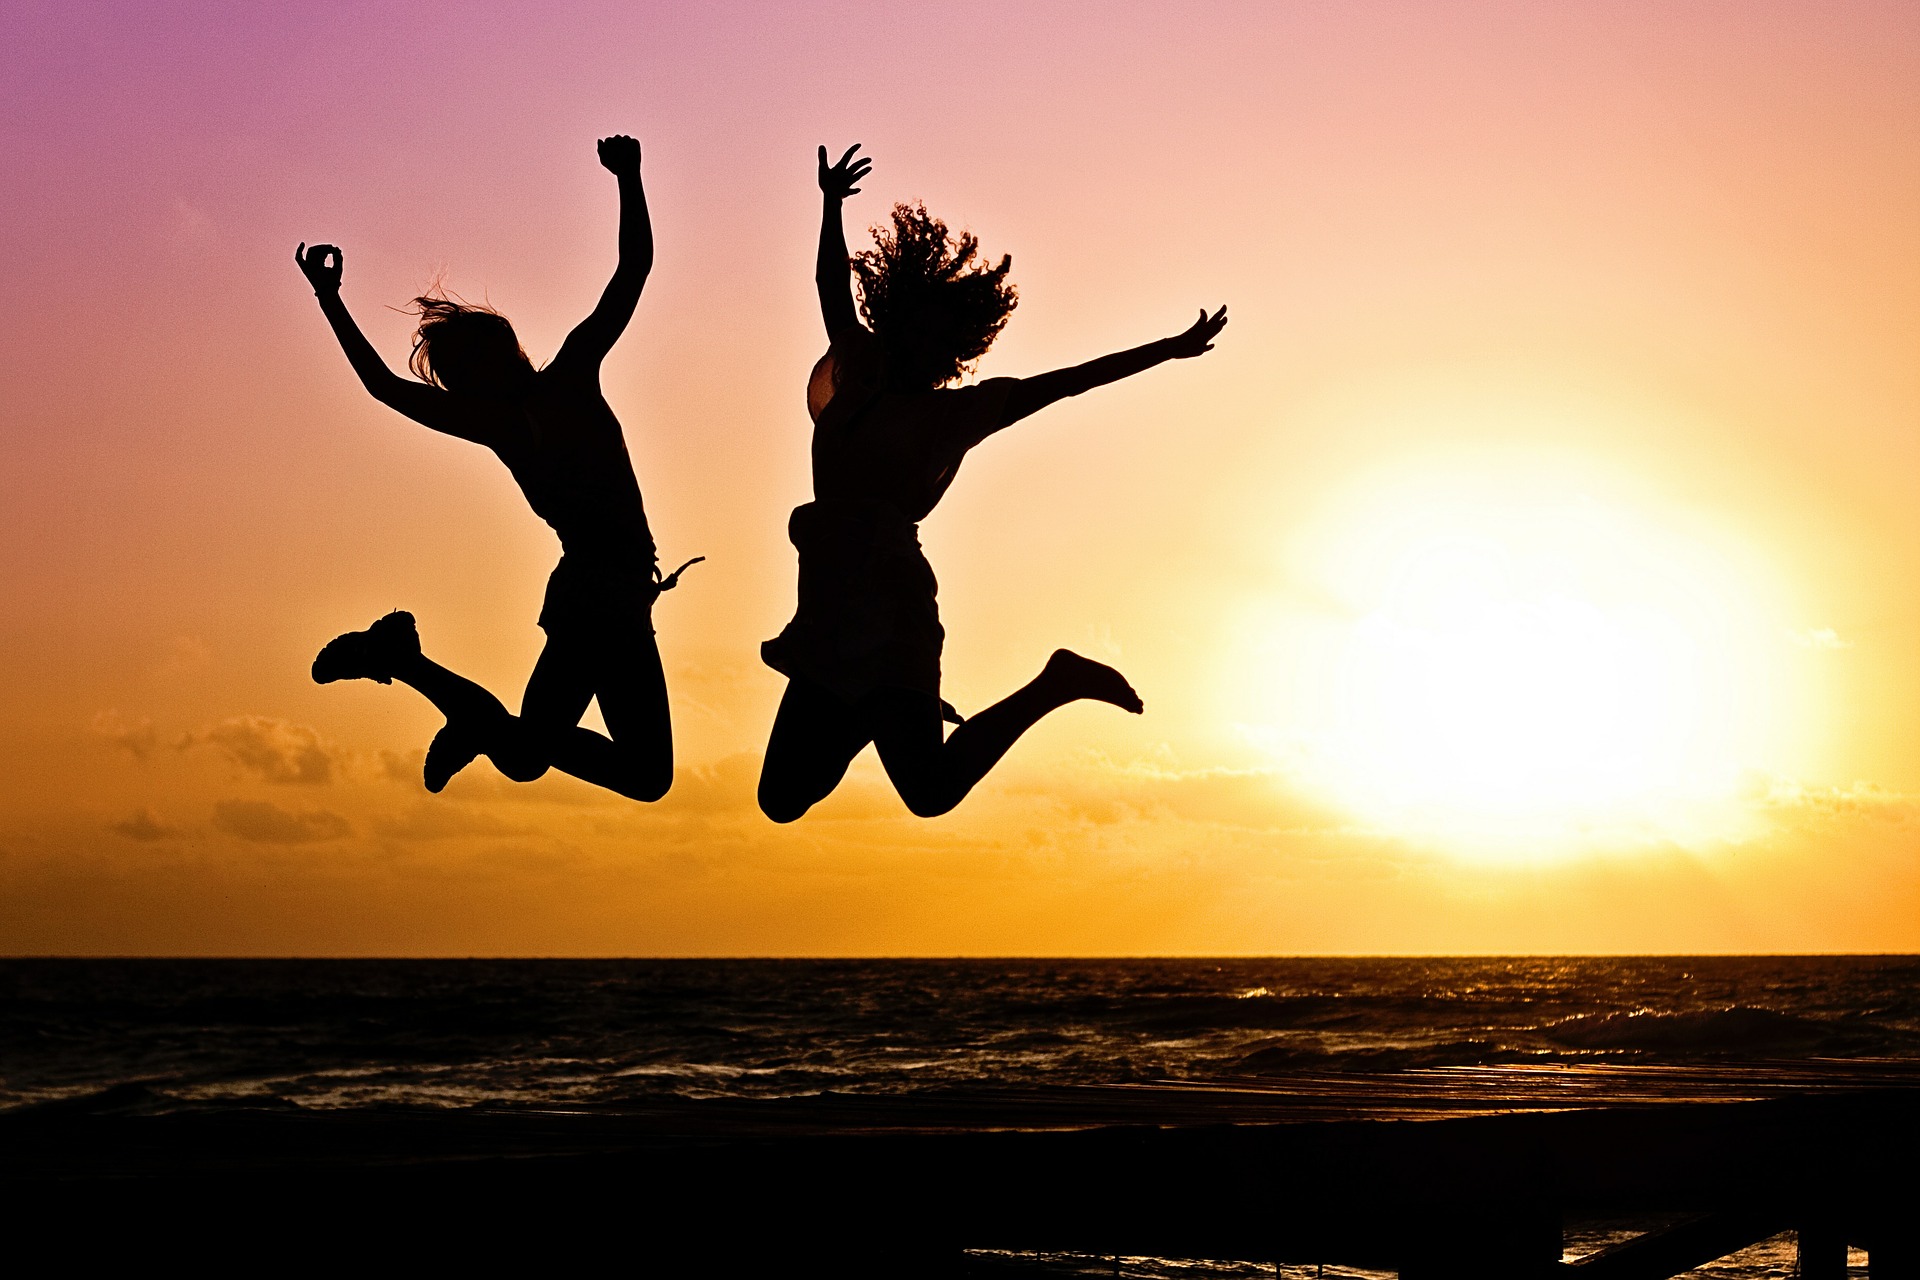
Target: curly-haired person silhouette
862,654
555,432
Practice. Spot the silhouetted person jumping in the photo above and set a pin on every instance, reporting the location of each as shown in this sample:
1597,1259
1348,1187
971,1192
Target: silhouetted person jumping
557,435
862,654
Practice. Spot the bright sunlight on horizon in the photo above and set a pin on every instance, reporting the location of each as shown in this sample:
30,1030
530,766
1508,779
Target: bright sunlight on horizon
1526,658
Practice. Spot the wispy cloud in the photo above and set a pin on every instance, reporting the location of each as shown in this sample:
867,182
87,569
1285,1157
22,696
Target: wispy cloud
1819,638
136,737
1102,792
264,822
403,767
1861,801
145,825
276,751
439,820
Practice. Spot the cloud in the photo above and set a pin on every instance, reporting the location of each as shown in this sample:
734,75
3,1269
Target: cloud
1862,801
403,767
1103,793
137,738
439,820
263,822
144,825
1819,638
277,751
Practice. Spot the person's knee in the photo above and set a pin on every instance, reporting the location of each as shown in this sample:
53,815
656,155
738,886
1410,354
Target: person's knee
647,785
783,809
931,808
782,804
519,766
929,802
518,749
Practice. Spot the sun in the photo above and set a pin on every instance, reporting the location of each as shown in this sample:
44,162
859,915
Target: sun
1523,658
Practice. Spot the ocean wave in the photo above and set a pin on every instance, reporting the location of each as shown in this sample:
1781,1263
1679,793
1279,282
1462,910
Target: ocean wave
611,1033
1735,1031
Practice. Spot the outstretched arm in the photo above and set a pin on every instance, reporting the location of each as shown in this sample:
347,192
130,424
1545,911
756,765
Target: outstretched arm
830,268
1036,393
593,337
322,265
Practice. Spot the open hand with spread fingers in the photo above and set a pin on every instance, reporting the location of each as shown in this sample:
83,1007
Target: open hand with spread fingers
1198,338
837,180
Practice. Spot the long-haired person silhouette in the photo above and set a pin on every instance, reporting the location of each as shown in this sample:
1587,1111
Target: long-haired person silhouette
862,654
557,435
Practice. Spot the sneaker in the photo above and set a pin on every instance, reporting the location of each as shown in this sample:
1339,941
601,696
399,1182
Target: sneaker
373,654
452,749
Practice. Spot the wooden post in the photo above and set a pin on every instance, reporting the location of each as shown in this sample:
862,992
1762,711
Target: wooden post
1822,1252
1894,1255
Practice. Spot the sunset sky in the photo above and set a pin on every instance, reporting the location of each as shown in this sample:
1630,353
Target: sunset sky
1534,566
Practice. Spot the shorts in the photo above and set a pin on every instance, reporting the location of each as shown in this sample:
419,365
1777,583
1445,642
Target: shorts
594,597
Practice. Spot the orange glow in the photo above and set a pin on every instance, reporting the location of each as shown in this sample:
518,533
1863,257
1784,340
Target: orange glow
1522,665
1531,567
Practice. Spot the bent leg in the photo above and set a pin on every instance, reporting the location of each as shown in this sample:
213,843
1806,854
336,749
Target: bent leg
632,689
622,668
567,677
477,724
933,776
388,651
815,737
452,694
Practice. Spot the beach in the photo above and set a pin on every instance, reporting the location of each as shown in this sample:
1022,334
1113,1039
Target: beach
756,1092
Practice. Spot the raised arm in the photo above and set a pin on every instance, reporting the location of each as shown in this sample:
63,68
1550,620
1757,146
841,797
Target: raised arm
593,337
429,406
1036,393
830,268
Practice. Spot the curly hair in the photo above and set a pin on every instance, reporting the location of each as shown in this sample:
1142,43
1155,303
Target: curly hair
933,304
464,335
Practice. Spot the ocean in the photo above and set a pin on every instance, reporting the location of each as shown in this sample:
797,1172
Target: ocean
607,1034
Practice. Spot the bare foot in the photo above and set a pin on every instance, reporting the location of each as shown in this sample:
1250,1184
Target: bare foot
1078,677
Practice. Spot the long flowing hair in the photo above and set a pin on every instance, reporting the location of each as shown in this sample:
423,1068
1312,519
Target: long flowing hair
462,333
933,303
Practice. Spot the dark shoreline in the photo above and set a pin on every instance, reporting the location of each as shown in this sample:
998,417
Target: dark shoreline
1440,1117
1436,1174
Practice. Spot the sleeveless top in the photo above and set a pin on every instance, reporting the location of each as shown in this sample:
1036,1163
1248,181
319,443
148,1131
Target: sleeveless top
867,615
